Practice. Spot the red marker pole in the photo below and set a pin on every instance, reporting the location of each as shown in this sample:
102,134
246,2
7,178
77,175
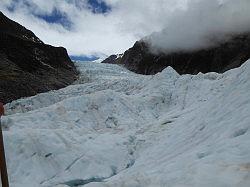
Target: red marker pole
3,168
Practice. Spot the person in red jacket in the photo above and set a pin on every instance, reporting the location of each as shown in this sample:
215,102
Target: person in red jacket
1,109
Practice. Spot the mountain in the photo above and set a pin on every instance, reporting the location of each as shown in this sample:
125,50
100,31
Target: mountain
220,58
27,65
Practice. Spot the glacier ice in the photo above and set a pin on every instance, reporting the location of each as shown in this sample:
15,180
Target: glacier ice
116,128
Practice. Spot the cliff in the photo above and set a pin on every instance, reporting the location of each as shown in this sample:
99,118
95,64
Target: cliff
227,55
27,65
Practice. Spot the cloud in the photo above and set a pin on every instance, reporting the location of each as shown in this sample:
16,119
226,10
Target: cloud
90,33
85,28
202,24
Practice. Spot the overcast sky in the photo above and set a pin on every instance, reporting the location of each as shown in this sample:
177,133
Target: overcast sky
104,27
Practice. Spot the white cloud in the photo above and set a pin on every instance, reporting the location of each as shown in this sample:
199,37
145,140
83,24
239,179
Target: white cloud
91,33
202,24
128,21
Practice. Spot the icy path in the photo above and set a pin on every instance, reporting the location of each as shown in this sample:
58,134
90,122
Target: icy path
114,128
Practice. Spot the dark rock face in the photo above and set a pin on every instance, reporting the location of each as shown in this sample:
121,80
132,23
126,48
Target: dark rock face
113,59
27,65
224,56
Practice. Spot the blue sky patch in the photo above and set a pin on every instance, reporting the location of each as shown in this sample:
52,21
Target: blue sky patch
83,58
57,17
99,6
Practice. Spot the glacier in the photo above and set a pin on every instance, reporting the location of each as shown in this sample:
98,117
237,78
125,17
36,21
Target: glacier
115,128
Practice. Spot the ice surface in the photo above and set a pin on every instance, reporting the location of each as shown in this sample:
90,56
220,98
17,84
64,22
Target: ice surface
115,128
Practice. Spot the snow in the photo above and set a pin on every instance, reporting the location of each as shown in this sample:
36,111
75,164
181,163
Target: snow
119,55
116,128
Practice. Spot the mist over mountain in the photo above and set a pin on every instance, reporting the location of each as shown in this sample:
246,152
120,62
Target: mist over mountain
201,25
204,36
218,58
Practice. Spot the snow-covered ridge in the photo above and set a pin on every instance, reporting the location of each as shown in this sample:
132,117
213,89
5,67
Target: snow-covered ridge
116,128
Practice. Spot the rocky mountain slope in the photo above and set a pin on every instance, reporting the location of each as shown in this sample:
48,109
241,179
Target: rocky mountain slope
220,58
27,65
